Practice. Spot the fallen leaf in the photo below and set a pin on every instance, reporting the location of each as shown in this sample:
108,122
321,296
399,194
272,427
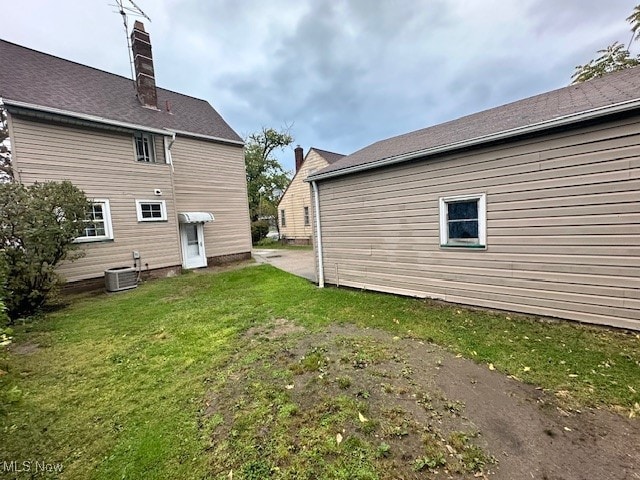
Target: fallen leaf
289,387
572,375
491,367
633,390
450,449
362,418
567,429
395,320
339,439
396,338
230,476
526,369
474,353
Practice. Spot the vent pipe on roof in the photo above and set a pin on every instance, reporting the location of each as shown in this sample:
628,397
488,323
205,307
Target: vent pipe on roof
143,62
299,158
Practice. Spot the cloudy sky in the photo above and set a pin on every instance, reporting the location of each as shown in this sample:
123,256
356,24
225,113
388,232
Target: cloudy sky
342,74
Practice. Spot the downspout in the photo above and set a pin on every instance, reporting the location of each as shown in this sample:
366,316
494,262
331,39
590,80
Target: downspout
169,159
316,199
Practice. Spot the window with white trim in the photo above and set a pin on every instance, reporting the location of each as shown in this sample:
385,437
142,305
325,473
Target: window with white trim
97,223
145,147
306,216
151,210
463,221
283,219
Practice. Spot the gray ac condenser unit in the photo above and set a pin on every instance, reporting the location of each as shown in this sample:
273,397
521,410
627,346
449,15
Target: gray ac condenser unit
120,278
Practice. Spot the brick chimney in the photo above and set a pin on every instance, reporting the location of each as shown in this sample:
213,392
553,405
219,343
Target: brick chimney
299,158
143,62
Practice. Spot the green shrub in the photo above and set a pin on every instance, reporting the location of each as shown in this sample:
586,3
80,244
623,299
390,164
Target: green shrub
38,224
259,230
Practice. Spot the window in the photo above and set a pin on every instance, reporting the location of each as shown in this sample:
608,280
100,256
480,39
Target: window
306,216
463,221
283,219
97,223
151,210
145,148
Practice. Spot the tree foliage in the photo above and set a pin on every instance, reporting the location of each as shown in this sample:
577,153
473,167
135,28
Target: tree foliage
6,173
613,58
38,224
266,179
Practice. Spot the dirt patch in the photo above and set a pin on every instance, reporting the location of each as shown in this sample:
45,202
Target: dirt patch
24,348
401,407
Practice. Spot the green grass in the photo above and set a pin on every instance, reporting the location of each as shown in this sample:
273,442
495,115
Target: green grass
275,244
115,386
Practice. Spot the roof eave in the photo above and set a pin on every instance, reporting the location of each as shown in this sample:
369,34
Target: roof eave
82,116
93,119
564,120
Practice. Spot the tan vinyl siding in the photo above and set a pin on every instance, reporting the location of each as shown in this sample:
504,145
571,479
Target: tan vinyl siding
298,196
210,177
563,227
102,163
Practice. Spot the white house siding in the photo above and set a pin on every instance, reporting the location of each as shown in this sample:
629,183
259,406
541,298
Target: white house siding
296,198
563,227
103,164
210,177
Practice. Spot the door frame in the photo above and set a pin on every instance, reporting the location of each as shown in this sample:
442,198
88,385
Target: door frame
202,258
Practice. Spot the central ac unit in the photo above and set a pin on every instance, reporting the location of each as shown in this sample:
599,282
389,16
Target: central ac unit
120,278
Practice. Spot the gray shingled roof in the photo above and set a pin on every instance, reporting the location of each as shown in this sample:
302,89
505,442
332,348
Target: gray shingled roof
330,157
603,92
47,81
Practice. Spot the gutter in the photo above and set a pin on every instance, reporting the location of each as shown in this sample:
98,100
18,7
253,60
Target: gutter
504,134
207,137
83,116
316,200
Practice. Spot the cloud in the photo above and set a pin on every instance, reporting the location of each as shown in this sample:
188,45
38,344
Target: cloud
344,73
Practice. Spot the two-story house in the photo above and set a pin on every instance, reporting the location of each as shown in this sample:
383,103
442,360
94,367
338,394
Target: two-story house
164,171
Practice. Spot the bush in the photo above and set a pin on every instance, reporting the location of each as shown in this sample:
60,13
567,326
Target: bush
38,224
259,230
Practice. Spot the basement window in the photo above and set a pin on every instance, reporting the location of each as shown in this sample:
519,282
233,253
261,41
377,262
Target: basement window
463,221
151,210
145,148
97,223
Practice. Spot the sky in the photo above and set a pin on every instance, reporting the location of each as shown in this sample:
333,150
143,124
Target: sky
339,74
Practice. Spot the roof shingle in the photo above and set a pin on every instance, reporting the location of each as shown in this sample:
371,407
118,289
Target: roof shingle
38,78
606,91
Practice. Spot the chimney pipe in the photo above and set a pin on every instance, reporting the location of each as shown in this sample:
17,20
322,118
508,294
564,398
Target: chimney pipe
299,158
143,63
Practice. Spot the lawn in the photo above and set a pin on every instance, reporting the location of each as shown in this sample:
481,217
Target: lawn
122,386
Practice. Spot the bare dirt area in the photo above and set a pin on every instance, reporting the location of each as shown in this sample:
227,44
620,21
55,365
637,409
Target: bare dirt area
405,408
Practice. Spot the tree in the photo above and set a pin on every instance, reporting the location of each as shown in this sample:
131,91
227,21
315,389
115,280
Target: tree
613,58
6,173
266,179
38,224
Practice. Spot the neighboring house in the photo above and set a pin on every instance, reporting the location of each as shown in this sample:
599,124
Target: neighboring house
531,207
164,171
294,209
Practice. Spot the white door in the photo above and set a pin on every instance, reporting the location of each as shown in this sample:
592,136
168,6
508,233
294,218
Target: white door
192,236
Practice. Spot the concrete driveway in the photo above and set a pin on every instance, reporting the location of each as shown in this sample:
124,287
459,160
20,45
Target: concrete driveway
297,262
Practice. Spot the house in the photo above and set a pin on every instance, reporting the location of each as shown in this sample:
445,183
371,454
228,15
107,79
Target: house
164,171
294,208
531,207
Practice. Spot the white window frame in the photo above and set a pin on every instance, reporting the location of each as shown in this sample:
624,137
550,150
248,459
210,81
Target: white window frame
152,147
482,220
108,228
163,210
306,217
283,217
